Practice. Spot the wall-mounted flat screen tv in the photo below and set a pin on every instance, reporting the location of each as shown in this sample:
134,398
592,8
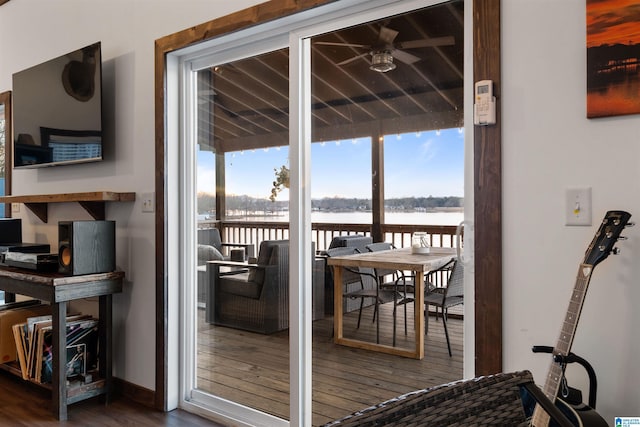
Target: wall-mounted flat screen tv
57,110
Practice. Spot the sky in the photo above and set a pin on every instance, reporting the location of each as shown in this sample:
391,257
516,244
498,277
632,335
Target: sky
416,165
613,21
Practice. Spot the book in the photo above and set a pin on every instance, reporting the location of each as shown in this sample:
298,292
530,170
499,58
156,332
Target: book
76,360
33,332
82,347
19,334
34,346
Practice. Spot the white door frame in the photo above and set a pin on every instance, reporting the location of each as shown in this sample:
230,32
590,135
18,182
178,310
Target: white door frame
292,31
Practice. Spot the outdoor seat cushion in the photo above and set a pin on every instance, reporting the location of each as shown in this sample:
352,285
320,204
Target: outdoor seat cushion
208,253
266,256
238,284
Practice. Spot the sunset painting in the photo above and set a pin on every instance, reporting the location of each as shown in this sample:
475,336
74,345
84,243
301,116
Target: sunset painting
613,57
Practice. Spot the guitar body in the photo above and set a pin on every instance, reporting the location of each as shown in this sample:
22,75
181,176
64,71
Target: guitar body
580,415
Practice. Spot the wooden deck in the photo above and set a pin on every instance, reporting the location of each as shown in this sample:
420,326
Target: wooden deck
253,369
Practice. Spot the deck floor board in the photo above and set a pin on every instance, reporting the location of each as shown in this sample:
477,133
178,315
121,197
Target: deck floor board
253,369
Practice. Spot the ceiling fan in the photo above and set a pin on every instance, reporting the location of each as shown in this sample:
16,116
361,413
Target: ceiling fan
385,50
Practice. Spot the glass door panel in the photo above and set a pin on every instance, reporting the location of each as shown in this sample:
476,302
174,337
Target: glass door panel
242,304
381,91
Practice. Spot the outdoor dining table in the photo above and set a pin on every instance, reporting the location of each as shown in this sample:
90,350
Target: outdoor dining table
395,259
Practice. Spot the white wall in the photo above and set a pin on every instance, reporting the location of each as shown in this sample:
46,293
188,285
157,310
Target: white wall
548,146
34,31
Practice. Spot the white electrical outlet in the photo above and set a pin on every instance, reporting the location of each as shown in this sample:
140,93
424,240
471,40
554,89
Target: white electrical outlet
15,207
578,206
148,202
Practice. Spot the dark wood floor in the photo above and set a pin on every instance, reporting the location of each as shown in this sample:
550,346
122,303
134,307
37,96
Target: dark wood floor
253,369
25,404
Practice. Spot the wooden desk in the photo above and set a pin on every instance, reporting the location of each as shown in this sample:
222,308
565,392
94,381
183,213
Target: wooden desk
58,289
399,259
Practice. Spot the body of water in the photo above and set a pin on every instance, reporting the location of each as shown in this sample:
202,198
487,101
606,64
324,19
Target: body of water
422,218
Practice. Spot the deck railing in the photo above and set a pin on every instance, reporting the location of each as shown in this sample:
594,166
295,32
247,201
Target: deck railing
397,234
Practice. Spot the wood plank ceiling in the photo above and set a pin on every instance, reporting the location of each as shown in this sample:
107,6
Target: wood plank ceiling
245,104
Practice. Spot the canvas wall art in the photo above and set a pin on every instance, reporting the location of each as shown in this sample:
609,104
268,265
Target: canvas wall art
613,57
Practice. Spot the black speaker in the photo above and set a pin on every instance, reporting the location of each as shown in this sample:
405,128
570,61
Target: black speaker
86,247
10,230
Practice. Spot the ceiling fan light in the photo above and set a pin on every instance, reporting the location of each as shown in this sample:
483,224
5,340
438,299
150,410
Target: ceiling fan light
382,62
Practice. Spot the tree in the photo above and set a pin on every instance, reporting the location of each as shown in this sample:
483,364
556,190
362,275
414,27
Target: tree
281,182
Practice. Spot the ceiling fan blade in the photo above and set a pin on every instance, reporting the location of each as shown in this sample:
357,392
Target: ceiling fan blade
430,42
386,35
405,57
365,46
348,61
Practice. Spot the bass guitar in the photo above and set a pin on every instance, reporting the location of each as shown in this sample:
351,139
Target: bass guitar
601,246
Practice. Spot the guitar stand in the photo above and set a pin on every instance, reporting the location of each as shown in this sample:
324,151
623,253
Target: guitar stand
574,395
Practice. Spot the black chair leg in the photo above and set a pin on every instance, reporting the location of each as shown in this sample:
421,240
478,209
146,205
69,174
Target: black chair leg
426,319
377,322
360,312
446,331
395,306
404,302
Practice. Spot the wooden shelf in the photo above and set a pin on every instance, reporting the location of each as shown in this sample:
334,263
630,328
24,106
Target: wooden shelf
59,290
92,202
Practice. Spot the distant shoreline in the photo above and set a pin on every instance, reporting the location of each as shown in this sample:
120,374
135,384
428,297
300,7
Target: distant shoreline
436,216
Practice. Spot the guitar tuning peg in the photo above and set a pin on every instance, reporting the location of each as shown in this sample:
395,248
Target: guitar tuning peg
622,238
615,251
630,224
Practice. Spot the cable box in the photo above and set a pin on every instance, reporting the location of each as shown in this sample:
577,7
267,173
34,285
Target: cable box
25,247
22,247
32,261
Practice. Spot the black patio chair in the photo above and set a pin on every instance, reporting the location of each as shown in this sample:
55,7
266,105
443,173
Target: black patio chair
445,297
367,289
393,282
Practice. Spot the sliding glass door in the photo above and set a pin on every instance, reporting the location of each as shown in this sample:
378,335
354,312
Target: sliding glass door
283,138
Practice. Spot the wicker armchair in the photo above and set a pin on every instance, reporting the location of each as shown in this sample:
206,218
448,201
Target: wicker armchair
494,400
210,247
255,297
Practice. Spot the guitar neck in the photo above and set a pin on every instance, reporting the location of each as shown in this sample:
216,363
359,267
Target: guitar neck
565,340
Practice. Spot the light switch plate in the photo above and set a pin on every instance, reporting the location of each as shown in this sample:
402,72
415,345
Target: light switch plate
578,206
148,202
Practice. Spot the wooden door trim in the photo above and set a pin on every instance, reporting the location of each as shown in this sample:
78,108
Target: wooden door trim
487,175
487,196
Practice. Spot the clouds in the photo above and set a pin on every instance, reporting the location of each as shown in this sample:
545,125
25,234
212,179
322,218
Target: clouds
612,22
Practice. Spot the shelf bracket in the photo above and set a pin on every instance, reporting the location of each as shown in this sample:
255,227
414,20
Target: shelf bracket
95,209
39,209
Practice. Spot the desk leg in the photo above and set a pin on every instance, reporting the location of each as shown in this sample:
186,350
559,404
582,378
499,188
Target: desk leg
337,303
106,343
418,309
59,356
